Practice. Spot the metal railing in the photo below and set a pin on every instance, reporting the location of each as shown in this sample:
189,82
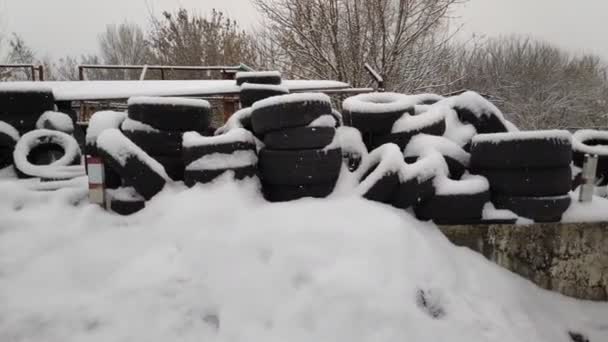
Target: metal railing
223,69
34,69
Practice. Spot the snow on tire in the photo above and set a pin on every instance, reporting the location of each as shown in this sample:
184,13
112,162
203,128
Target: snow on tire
515,150
56,121
300,138
380,174
417,184
375,112
195,146
591,142
258,77
47,154
456,158
251,93
301,167
204,176
288,111
8,139
171,114
431,122
529,182
125,201
455,202
134,165
21,105
476,110
539,209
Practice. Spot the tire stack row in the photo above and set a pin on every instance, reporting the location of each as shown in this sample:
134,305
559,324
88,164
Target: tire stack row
300,158
529,172
207,158
157,125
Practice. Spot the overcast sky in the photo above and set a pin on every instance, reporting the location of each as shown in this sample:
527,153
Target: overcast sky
59,27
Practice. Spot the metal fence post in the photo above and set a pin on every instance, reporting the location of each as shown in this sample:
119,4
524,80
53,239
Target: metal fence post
589,171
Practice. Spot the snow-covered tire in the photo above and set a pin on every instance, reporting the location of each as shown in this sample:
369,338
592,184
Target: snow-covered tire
454,208
125,208
252,93
456,168
380,174
135,167
195,146
286,193
31,151
456,158
21,106
516,150
300,138
539,209
474,109
591,142
8,139
258,77
279,167
171,114
288,111
159,143
529,182
375,112
193,177
56,121
417,185
431,122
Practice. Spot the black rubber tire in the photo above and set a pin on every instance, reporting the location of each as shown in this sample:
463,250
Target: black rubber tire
174,166
135,173
168,117
300,138
578,157
22,108
529,182
286,193
7,145
193,153
453,208
401,139
539,209
249,96
377,122
484,124
300,167
289,114
413,193
193,177
163,143
246,77
517,154
126,208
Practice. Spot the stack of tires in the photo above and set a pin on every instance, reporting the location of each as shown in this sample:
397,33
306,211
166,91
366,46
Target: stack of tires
207,158
136,170
300,157
374,115
529,172
256,86
592,142
157,124
22,106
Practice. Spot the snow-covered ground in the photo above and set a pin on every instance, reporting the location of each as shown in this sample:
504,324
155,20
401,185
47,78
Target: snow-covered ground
217,263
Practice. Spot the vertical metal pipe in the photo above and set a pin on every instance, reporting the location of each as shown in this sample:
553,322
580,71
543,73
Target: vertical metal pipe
589,172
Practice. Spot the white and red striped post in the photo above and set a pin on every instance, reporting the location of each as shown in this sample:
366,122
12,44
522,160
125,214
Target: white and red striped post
96,180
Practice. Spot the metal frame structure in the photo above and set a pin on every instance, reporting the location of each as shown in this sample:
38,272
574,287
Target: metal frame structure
224,70
32,67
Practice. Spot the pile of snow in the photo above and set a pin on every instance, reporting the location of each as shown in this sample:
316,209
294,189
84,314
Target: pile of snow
100,121
55,120
217,263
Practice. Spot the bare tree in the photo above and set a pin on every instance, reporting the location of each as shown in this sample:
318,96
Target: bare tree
334,38
182,38
123,44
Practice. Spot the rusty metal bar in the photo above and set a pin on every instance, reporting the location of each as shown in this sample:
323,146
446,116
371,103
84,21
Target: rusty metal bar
32,68
81,72
41,72
143,73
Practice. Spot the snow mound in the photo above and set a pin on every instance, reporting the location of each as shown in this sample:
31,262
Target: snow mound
172,101
291,98
102,120
190,267
222,161
55,120
192,139
378,103
557,135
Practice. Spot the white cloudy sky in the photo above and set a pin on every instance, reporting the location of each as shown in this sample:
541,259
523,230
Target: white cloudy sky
59,27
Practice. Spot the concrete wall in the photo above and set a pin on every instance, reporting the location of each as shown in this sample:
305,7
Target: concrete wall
569,258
